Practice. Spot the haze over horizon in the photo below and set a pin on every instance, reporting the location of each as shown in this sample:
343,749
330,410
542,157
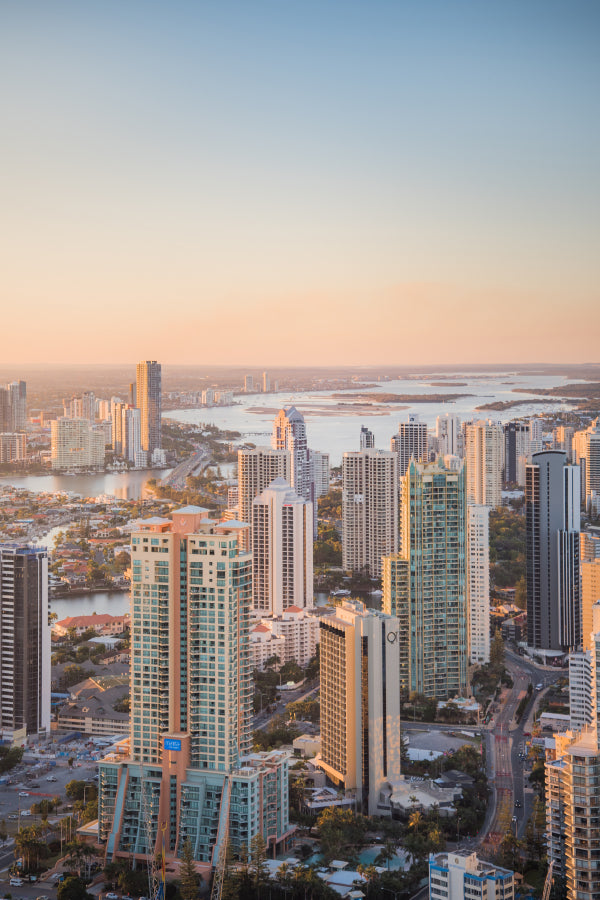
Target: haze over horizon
276,185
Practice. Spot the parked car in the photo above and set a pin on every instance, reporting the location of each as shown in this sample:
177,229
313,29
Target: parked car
111,896
16,882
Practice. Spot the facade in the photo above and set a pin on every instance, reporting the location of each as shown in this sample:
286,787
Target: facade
425,585
590,595
553,524
360,704
410,443
484,446
14,406
587,451
292,637
148,392
131,436
266,383
516,449
75,444
24,642
478,582
455,876
248,384
581,696
257,468
572,812
319,463
282,550
369,509
13,447
449,435
103,623
190,774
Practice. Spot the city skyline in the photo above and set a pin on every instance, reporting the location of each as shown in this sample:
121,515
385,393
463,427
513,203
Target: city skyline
364,173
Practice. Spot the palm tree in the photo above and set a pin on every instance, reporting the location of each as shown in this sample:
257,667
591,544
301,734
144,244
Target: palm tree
387,853
415,820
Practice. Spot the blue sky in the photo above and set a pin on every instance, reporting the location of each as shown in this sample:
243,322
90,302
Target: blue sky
316,178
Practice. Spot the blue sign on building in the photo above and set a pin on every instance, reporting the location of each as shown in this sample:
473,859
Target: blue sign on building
171,744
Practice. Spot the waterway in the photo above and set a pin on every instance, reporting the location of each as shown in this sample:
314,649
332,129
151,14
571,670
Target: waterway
115,603
333,425
122,485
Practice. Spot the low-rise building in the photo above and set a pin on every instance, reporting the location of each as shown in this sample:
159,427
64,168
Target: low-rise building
455,876
102,624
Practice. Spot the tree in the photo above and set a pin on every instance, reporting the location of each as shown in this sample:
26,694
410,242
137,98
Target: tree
72,888
258,858
3,831
497,651
189,876
386,854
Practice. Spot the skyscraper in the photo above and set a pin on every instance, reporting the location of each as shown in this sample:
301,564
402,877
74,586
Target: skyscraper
282,550
425,585
516,448
360,704
553,522
369,509
367,439
289,433
449,435
257,468
410,443
478,582
586,445
189,774
484,457
24,641
75,444
148,392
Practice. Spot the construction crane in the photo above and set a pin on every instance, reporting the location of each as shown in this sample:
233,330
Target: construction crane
156,882
548,882
219,856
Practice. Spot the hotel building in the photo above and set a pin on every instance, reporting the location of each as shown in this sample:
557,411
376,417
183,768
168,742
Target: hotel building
190,773
360,704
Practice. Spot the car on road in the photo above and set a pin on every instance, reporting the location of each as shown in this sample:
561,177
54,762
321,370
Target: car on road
518,804
23,793
42,897
111,896
51,778
16,882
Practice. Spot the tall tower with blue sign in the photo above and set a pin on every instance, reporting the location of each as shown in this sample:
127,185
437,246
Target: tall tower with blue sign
190,772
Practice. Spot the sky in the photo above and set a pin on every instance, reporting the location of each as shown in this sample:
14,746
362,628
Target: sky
312,183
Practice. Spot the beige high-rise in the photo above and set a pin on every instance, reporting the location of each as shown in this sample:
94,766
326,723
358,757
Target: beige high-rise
257,468
360,704
369,509
484,447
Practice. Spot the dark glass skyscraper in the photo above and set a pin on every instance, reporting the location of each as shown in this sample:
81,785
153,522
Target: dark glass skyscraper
552,495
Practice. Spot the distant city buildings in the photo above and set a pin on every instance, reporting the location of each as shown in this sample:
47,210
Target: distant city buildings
449,435
13,407
367,439
360,704
516,452
75,444
13,447
425,585
25,643
586,452
553,572
369,509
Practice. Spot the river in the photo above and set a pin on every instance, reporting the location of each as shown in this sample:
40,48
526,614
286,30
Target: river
122,485
333,430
